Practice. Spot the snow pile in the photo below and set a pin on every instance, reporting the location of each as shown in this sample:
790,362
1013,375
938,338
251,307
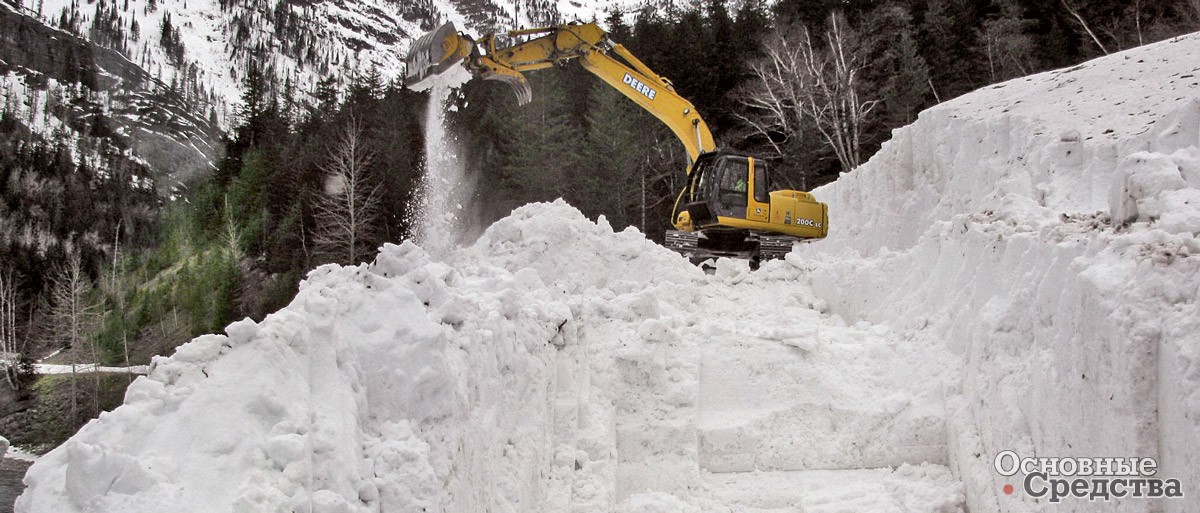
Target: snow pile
1046,229
404,385
553,366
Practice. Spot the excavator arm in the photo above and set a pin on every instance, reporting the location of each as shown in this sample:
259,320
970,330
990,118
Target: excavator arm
586,43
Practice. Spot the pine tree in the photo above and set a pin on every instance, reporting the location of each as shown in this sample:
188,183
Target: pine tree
326,96
543,145
954,67
256,104
617,29
896,73
618,143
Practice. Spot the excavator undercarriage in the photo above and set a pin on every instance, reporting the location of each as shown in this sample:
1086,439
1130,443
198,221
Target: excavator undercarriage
756,247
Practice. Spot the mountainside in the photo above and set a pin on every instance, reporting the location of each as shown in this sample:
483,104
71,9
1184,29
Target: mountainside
64,88
206,46
167,76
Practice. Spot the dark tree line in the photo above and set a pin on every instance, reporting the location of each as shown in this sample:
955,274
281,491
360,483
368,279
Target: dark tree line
66,211
579,141
278,163
57,200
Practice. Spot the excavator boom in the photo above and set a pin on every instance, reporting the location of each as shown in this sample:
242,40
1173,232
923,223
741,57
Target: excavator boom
587,43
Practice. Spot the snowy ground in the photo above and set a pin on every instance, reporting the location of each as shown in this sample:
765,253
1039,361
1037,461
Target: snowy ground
85,368
973,297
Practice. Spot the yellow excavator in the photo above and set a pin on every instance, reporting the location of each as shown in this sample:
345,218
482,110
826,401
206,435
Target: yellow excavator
726,207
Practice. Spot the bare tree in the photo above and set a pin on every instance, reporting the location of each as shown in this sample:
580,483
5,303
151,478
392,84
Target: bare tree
73,315
1137,20
1008,48
70,312
839,112
114,290
1079,18
8,326
775,96
231,234
798,79
349,207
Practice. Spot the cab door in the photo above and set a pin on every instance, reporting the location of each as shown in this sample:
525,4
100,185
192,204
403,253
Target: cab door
732,188
758,204
742,189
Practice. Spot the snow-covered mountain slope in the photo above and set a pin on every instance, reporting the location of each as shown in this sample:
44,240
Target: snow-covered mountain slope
1046,229
63,89
205,47
973,297
179,65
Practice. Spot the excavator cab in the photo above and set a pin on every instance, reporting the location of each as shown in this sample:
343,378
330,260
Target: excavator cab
727,209
724,184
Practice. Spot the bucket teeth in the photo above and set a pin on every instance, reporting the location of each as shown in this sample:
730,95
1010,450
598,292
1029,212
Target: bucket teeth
519,85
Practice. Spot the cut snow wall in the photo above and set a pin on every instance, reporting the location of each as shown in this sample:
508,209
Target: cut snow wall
987,221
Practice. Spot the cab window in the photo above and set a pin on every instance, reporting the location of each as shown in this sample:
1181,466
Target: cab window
734,180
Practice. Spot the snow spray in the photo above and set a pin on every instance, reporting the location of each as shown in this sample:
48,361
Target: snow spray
439,217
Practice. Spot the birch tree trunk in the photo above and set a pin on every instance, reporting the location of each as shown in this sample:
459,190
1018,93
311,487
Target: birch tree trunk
349,207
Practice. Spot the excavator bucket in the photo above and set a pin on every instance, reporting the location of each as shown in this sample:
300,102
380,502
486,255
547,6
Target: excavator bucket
434,53
438,51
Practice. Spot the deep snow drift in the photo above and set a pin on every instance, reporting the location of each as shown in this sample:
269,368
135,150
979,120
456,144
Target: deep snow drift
972,298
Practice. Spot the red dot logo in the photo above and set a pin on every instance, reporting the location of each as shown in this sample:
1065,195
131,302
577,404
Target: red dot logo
1008,489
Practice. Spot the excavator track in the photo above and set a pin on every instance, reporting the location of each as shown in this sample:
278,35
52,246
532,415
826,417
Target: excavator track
772,247
755,247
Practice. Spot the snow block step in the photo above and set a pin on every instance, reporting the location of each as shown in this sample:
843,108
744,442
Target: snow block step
909,489
765,405
651,442
655,457
821,436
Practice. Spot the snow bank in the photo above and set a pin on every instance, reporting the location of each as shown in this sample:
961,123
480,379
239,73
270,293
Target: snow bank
1046,228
